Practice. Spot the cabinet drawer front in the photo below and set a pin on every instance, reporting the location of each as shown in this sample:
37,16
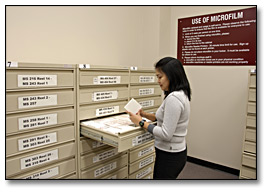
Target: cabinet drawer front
249,160
140,152
95,95
41,139
92,77
97,110
35,100
105,168
142,173
31,121
141,163
41,78
252,95
33,160
252,81
149,102
143,78
251,108
88,145
248,172
120,174
250,135
51,172
250,147
251,121
146,90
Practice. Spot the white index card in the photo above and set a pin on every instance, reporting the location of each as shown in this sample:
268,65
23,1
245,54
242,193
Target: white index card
133,106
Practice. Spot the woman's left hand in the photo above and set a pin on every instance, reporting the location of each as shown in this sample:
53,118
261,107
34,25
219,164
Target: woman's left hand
135,118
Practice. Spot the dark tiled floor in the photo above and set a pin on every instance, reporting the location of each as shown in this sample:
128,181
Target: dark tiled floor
195,171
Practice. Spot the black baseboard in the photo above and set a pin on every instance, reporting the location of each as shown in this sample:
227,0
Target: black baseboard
213,165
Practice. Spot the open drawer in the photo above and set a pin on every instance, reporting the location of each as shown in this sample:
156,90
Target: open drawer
117,131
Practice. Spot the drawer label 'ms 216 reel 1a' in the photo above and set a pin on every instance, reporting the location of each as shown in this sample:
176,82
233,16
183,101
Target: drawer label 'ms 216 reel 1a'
37,80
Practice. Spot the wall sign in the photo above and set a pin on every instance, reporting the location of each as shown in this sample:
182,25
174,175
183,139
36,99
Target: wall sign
227,38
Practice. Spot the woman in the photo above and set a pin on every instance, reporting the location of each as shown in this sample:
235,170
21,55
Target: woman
172,119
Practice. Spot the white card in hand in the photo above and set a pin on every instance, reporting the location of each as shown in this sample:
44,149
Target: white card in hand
133,106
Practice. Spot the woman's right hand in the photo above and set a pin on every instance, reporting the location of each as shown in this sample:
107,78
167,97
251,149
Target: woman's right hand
142,113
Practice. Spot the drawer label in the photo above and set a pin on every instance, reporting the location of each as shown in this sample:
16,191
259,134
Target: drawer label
105,155
37,80
96,144
39,159
37,121
146,162
107,80
142,139
107,110
145,151
144,173
40,140
37,101
147,103
146,79
105,95
105,169
147,91
46,174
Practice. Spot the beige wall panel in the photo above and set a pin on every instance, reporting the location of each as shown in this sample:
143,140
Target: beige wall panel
33,100
37,140
22,122
15,79
39,158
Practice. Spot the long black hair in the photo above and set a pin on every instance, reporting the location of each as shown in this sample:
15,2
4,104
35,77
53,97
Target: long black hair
176,75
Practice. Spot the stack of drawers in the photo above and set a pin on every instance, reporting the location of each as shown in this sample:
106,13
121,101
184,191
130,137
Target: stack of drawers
102,92
100,161
40,121
145,89
141,161
248,167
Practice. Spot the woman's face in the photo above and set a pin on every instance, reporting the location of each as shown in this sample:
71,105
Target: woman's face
162,80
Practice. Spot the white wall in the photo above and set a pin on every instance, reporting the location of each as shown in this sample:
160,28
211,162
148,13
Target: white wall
106,35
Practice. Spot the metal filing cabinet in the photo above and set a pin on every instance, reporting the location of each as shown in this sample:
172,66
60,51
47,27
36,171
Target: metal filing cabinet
102,91
249,158
40,121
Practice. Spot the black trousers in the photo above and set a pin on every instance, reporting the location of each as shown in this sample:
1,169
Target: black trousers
168,165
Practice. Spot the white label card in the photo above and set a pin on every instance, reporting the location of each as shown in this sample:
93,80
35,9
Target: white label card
46,174
105,169
107,110
105,155
38,159
107,80
147,91
37,80
145,151
37,101
147,103
37,121
144,173
36,141
146,79
105,95
84,66
12,64
142,139
146,162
